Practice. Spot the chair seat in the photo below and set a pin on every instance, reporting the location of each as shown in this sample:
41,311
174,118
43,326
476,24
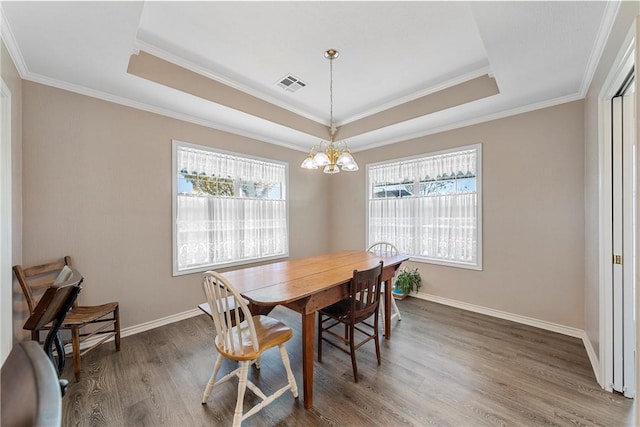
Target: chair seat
338,309
82,314
341,310
270,333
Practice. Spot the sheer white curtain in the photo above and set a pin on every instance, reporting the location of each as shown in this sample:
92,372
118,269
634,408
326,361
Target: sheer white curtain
214,230
193,237
439,218
447,227
210,163
393,220
264,229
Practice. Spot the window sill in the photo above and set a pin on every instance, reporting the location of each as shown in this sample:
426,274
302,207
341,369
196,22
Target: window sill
468,266
203,268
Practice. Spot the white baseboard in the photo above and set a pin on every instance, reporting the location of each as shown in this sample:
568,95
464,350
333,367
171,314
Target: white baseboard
132,330
593,358
542,324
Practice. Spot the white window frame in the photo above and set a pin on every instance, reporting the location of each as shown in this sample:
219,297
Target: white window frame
478,147
174,195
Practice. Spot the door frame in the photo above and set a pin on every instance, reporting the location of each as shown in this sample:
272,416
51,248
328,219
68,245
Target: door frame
6,252
620,69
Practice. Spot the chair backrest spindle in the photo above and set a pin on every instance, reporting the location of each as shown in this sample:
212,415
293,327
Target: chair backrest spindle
226,306
383,248
365,287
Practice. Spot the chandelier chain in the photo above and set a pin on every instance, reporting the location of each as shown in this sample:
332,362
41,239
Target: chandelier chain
330,155
331,129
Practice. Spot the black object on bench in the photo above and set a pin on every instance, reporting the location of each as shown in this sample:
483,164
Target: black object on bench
53,308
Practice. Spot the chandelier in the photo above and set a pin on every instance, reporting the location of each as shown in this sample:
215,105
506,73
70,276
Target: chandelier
331,155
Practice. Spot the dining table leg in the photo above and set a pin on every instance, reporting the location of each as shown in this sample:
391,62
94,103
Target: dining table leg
387,309
308,337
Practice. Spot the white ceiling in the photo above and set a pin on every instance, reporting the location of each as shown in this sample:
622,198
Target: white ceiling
540,53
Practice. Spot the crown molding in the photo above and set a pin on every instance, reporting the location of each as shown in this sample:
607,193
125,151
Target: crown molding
8,38
181,62
416,95
606,25
470,122
214,125
12,46
155,110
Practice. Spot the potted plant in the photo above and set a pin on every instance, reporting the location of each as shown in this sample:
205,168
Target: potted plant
406,282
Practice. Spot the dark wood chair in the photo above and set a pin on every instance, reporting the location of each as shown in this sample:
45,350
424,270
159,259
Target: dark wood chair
100,322
51,311
353,313
30,389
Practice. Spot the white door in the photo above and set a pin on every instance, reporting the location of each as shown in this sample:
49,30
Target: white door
623,213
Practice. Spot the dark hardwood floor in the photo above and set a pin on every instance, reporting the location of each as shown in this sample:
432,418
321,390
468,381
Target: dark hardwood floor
443,366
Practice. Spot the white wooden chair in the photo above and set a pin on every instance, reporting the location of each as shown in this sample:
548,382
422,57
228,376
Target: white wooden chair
385,248
243,343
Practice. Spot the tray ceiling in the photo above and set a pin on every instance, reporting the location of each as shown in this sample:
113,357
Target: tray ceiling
395,57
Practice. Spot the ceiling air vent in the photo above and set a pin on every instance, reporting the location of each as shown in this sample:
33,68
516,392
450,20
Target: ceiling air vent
291,83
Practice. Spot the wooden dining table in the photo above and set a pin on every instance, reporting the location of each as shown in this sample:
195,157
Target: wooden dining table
307,285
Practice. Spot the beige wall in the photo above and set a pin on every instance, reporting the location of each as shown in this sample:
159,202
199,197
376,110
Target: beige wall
628,11
12,79
533,217
97,186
